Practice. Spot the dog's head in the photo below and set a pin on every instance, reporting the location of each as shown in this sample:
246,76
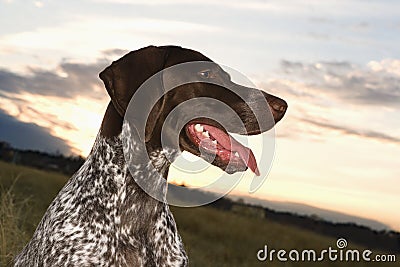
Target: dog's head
201,135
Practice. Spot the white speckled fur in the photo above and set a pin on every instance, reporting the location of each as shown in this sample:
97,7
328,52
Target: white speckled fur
103,218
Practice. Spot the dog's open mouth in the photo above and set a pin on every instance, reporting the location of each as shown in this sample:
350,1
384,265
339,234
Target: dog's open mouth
215,141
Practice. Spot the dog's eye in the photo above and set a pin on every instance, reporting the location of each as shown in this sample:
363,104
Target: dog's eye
205,74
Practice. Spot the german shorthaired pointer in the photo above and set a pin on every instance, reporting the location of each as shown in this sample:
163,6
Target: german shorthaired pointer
102,217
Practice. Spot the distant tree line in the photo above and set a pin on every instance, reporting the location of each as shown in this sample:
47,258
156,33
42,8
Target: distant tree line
40,160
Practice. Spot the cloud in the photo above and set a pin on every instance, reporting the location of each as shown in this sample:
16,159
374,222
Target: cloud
52,119
115,52
68,80
386,65
30,136
350,131
362,101
376,84
100,32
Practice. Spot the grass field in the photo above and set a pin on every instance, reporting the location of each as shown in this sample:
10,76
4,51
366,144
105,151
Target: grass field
212,237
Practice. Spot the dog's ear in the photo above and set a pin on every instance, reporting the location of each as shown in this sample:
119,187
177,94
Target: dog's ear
124,76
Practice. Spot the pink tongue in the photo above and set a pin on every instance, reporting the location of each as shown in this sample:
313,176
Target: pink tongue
229,143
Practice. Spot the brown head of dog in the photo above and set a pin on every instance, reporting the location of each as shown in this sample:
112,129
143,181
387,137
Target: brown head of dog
201,135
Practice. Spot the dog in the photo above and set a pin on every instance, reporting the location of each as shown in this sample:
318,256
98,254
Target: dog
102,217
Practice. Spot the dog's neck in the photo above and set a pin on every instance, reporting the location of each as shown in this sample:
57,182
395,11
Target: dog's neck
114,128
146,164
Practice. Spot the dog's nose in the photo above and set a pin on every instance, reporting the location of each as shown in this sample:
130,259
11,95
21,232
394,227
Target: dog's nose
278,107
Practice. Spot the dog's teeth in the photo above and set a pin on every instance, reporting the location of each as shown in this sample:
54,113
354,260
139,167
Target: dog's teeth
214,142
198,128
236,154
206,134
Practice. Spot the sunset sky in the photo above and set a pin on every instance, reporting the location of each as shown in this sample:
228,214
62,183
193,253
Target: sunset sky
337,63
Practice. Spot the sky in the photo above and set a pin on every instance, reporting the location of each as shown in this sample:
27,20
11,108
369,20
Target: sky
336,63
